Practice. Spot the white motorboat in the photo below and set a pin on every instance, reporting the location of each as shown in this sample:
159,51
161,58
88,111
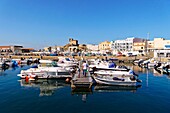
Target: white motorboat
45,72
49,63
60,63
67,62
108,66
150,63
116,80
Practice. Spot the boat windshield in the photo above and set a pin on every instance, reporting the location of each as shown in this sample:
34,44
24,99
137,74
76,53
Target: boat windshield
54,64
67,59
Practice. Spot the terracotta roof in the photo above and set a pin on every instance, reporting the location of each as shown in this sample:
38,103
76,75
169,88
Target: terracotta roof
5,46
139,45
28,48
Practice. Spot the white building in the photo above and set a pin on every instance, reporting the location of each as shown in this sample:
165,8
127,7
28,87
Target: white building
165,52
92,47
124,46
160,46
162,53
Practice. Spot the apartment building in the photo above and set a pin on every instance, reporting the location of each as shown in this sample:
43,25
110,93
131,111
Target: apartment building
104,45
125,45
161,47
140,47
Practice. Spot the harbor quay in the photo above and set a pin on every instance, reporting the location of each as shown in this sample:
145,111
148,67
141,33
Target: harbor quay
125,59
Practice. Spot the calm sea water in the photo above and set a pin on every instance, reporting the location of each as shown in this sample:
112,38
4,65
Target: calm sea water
55,96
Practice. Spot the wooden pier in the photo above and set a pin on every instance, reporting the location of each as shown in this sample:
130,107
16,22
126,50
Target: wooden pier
81,81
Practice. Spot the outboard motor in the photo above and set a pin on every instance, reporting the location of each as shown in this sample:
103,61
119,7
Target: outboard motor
157,65
37,61
166,68
14,63
133,73
5,66
112,65
146,64
139,63
29,62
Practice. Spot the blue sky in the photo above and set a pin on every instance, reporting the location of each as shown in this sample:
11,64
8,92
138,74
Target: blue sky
39,23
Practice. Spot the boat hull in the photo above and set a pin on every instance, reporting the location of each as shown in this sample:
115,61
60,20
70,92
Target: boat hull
115,82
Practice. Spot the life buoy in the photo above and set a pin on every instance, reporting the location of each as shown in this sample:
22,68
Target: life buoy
123,76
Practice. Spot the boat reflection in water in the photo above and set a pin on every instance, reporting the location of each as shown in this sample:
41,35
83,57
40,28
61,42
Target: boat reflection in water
47,87
107,88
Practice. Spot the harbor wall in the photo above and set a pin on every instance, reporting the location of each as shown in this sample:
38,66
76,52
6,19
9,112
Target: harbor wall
125,59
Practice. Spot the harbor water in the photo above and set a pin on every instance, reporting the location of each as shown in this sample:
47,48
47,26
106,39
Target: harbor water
56,96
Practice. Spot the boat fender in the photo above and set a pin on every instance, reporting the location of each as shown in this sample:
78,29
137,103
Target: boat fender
132,78
19,62
67,80
27,78
123,76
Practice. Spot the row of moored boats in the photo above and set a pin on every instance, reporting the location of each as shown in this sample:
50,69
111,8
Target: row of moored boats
152,63
103,72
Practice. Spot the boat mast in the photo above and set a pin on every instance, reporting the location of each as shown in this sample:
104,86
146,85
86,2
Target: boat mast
147,39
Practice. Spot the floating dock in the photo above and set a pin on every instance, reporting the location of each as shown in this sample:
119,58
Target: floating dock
81,81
